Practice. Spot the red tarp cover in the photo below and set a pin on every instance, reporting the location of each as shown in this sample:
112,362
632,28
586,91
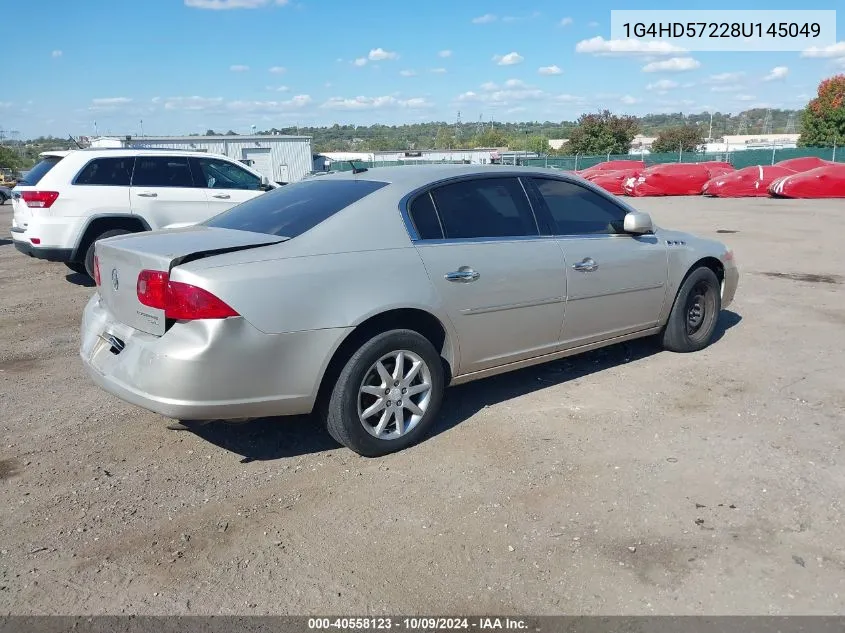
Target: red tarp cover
614,165
671,179
805,163
613,181
747,182
821,182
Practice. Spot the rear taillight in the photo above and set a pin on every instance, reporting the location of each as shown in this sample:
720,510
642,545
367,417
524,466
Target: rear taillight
97,270
180,301
39,199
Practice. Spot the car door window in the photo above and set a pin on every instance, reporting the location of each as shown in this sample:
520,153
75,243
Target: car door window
576,210
220,174
424,218
162,171
116,172
484,207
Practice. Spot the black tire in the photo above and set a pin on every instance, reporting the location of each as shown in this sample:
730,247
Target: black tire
695,313
88,262
3,198
77,267
340,407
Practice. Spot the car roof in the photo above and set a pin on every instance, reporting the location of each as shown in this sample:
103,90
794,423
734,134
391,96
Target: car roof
128,151
413,176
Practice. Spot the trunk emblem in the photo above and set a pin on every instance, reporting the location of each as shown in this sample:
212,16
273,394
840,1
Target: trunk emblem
115,282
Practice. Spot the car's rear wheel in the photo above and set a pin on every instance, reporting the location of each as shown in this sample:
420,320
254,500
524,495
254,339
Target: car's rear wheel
387,395
3,198
89,252
77,267
692,321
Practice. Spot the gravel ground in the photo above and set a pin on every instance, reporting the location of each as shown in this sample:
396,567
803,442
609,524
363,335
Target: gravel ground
625,481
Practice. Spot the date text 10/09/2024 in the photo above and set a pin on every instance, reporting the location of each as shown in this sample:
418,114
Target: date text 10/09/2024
721,29
417,623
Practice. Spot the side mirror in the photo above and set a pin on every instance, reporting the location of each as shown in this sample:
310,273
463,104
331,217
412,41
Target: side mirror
638,223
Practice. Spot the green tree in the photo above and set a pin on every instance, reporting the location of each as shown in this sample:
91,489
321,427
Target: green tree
602,133
683,137
823,121
210,133
9,159
445,139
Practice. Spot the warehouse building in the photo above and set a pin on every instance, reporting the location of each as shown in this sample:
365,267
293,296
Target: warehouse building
282,159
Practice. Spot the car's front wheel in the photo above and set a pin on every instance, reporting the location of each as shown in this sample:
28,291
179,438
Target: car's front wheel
387,395
693,319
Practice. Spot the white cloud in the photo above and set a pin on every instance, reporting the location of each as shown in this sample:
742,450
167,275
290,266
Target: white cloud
514,90
56,54
254,107
220,5
600,46
566,21
515,83
549,70
375,103
379,54
408,73
6,104
593,24
489,85
438,71
508,60
484,19
663,85
745,98
278,70
445,53
672,65
238,68
778,72
281,89
192,103
833,50
361,61
724,78
515,18
111,101
629,100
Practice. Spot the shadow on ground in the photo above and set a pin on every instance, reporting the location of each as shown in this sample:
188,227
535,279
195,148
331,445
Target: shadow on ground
277,438
5,242
79,279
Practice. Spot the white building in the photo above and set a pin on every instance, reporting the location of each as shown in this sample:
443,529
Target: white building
740,142
282,159
476,156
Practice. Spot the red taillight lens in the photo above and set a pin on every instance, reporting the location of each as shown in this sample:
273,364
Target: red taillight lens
152,288
181,302
39,199
97,270
185,302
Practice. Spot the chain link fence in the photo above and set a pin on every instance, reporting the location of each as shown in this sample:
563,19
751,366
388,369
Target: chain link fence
739,159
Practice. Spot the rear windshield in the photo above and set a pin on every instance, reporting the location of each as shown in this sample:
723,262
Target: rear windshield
293,209
40,170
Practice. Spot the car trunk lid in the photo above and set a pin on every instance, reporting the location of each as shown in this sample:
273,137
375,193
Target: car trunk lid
121,259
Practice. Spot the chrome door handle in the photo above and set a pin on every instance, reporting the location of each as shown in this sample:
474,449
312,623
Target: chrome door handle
587,265
464,274
148,194
222,196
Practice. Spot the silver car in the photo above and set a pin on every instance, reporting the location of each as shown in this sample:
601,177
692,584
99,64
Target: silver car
362,295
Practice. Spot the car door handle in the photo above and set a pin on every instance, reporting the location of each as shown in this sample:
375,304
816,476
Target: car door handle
147,194
222,196
464,274
587,265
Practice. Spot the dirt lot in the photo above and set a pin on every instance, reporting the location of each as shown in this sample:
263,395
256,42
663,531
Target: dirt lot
624,481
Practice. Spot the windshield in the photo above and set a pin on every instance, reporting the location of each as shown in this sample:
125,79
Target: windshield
294,209
40,170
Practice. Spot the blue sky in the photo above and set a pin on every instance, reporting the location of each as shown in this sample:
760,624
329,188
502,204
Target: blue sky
184,66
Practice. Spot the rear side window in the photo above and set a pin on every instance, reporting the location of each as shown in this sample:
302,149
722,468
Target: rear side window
34,175
219,174
291,210
116,172
425,219
485,207
162,171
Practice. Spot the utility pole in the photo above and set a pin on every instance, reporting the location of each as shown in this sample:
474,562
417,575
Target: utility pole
710,130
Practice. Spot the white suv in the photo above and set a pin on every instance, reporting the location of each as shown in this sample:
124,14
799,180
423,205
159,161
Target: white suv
71,199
